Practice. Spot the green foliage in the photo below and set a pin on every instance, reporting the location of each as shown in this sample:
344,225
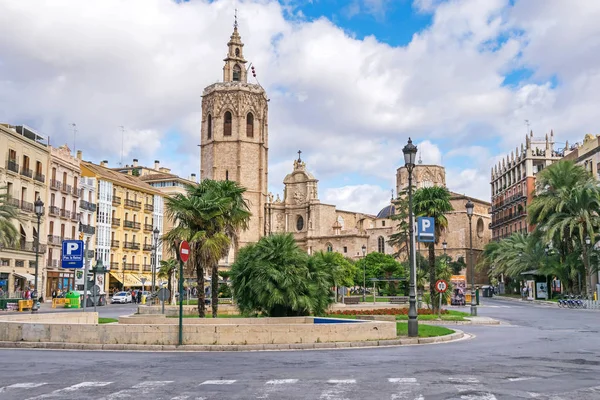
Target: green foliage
344,269
166,271
209,216
9,235
224,290
401,239
458,265
277,278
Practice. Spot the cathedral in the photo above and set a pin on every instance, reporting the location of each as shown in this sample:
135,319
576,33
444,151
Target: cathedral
235,146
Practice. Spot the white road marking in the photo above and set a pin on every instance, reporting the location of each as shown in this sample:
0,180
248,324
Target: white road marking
404,389
281,381
523,378
484,396
218,382
24,385
140,390
180,398
534,394
403,380
340,386
69,389
464,379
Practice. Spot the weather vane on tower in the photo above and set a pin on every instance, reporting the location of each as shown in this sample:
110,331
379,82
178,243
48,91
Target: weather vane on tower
235,24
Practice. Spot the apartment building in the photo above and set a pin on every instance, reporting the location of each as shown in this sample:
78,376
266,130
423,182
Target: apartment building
513,184
87,225
62,215
128,210
586,154
23,165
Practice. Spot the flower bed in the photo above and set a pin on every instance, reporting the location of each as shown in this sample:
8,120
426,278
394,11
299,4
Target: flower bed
385,311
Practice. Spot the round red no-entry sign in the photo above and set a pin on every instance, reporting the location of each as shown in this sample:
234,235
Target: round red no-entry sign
184,251
441,286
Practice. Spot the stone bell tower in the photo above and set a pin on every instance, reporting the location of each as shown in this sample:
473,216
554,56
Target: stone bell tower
234,135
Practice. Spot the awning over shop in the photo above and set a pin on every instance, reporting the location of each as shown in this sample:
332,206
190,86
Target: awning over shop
26,276
131,279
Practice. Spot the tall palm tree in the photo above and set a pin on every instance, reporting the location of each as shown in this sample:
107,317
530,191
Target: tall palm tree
433,202
9,235
166,271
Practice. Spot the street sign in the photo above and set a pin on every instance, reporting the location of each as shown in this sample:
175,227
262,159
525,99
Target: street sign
95,290
72,254
184,251
441,286
143,280
163,294
426,229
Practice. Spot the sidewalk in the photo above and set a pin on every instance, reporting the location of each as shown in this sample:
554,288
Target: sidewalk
500,297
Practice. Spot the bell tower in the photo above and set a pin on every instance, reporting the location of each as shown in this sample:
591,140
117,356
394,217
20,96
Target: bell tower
234,138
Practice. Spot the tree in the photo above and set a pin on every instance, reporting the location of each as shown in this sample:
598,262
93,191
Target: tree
401,239
277,278
343,269
457,265
433,202
166,271
9,235
379,265
198,217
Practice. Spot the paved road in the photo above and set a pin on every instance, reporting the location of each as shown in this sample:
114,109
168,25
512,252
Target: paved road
545,353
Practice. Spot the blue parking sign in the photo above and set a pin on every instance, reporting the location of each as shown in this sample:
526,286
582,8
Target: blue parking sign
426,229
72,254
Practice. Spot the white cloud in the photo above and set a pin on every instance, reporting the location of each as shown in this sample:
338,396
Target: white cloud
348,104
359,198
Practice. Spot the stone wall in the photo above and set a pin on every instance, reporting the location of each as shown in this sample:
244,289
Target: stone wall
164,331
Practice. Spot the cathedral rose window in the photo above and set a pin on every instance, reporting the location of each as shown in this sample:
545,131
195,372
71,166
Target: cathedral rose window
299,223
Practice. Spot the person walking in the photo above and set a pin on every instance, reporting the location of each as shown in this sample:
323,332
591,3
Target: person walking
139,297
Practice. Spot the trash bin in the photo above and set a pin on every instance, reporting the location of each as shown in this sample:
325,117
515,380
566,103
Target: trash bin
144,299
72,300
487,291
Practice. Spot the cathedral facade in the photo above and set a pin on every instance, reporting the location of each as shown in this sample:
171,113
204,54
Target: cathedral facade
235,145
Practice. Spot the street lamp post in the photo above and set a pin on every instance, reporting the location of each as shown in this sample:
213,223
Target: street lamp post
588,241
155,234
470,206
124,264
364,251
39,211
410,154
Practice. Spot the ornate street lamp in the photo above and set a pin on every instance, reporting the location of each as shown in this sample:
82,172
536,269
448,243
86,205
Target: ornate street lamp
39,211
364,251
124,264
155,236
470,206
410,155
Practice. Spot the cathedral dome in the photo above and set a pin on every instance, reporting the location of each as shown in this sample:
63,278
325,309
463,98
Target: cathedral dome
387,211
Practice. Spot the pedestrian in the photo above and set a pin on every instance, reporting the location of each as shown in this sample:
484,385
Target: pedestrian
1,293
139,297
133,297
53,294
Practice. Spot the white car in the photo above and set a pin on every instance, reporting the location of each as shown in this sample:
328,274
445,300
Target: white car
121,297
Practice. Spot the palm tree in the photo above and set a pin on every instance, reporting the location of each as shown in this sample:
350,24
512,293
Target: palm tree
433,202
9,235
277,278
166,271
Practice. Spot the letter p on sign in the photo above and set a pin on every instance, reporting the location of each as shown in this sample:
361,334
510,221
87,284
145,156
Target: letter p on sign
71,247
426,225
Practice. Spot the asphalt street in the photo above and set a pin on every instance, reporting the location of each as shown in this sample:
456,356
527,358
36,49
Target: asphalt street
542,352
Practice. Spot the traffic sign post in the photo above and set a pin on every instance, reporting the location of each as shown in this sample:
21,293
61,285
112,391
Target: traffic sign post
426,229
184,255
72,254
163,295
441,286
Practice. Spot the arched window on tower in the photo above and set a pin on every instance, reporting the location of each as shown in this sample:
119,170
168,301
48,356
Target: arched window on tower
209,126
250,125
227,124
381,244
237,73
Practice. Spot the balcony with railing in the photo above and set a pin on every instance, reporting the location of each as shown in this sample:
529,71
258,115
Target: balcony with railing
13,166
75,216
147,247
24,246
86,205
115,222
54,184
21,204
131,245
65,188
39,177
134,205
149,207
52,263
54,240
147,227
87,229
132,267
64,213
116,201
131,225
53,210
115,265
147,268
26,172
75,191
114,243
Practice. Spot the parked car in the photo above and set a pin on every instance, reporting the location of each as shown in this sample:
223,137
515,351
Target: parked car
121,297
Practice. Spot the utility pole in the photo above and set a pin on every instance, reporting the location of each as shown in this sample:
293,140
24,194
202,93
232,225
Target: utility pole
85,271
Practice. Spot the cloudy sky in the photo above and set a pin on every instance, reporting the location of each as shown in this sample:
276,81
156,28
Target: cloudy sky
349,81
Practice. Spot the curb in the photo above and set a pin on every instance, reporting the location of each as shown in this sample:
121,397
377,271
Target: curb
492,322
526,301
457,335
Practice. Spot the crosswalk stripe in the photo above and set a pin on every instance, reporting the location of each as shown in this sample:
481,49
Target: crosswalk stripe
341,381
483,396
402,380
465,379
151,384
24,385
218,382
69,389
281,381
141,389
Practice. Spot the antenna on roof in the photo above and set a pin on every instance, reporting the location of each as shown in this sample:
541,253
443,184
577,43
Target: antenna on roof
527,123
74,125
122,143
